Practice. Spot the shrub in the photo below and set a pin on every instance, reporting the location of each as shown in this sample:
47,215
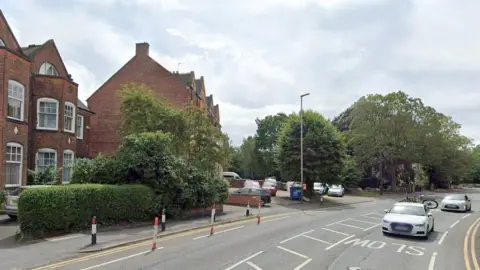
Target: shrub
2,198
49,176
67,208
100,170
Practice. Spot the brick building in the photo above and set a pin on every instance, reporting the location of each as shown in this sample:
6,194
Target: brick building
179,89
42,121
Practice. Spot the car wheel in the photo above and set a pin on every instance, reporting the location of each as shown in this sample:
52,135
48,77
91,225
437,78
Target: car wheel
262,201
433,227
426,236
12,217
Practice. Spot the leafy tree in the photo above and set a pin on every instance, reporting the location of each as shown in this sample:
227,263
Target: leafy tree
352,173
323,150
249,160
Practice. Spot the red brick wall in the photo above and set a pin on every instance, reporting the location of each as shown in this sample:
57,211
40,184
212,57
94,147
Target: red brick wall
82,144
106,104
241,182
242,200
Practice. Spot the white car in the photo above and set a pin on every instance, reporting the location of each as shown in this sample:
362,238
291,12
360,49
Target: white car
456,202
319,188
336,190
408,218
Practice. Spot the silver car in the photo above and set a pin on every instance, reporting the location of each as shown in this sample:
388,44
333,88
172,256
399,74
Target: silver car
11,200
407,218
320,188
336,190
456,202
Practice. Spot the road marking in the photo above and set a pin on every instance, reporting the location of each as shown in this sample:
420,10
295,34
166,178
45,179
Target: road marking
275,219
254,266
316,239
339,242
467,215
293,252
244,260
336,222
367,216
455,223
303,264
465,246
369,228
55,239
293,237
335,231
351,226
472,247
228,230
118,260
368,222
442,238
431,265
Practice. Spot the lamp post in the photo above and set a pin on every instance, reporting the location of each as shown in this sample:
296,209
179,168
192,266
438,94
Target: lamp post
301,144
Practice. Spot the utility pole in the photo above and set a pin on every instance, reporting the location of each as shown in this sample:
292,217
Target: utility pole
301,144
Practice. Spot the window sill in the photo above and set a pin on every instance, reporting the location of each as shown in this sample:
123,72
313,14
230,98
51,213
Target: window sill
15,120
47,129
80,138
69,131
9,186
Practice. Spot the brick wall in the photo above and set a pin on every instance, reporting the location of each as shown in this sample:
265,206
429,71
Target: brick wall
243,200
241,182
82,144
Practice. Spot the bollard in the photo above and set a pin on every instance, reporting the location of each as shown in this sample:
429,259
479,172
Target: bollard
163,220
248,209
258,215
94,230
155,231
214,208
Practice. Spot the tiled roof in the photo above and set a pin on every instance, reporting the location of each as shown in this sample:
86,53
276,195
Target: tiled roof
81,105
31,49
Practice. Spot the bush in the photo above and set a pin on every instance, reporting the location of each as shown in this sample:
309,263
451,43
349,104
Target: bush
2,198
100,170
49,176
68,208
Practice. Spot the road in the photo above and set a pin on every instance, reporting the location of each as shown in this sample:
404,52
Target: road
347,238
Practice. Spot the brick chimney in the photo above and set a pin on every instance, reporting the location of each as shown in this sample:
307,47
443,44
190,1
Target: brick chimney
142,49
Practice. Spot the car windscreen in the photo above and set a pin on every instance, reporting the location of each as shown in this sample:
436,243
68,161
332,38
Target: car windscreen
317,184
408,210
455,197
269,184
335,187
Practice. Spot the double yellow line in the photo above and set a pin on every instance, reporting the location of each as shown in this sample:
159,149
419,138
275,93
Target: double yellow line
470,239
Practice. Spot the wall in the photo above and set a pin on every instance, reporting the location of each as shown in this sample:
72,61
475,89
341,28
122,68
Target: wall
243,200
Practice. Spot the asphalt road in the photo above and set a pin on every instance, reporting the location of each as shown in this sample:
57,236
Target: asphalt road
341,239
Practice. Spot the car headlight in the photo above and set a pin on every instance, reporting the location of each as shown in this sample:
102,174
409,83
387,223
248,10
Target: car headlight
386,221
420,225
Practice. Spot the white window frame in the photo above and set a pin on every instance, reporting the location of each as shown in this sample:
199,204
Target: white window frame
80,129
15,83
69,104
21,164
45,150
68,151
38,113
46,66
2,44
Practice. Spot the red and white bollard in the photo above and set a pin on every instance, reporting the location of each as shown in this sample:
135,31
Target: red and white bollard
155,231
94,230
212,219
163,220
248,209
258,215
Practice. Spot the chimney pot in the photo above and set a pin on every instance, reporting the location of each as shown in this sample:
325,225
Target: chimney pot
142,49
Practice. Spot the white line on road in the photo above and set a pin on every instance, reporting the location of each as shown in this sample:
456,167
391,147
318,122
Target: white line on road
244,260
431,265
442,238
207,235
55,239
316,239
335,231
367,216
339,242
368,222
455,223
303,264
351,226
117,260
293,237
336,222
376,214
369,228
254,266
275,219
293,252
467,215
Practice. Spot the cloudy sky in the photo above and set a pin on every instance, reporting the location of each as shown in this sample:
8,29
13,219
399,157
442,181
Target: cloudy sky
258,56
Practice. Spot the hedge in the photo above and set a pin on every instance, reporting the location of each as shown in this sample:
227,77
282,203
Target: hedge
67,208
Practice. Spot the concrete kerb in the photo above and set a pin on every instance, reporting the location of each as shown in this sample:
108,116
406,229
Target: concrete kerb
147,239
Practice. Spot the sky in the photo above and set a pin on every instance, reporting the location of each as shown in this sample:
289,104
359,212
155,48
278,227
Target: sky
258,57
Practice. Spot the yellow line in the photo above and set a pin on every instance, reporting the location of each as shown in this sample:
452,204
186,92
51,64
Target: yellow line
472,247
465,246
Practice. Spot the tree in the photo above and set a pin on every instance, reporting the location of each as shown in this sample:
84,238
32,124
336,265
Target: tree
473,169
324,150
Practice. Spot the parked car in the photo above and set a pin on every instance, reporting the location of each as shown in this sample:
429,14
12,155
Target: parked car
271,187
320,188
265,196
406,218
231,176
456,202
11,199
336,190
251,184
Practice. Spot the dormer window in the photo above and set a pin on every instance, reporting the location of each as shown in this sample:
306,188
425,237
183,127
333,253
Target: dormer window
2,44
48,69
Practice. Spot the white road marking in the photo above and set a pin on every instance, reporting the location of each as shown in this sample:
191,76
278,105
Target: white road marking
367,216
293,237
117,260
61,238
467,215
293,252
368,222
336,222
351,226
254,266
303,264
275,219
369,228
442,238
244,260
228,230
339,242
335,231
431,265
377,214
316,239
455,223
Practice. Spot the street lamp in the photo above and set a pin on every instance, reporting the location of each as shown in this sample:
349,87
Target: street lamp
301,144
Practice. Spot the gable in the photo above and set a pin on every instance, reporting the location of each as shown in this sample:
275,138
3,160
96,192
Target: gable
46,53
7,35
